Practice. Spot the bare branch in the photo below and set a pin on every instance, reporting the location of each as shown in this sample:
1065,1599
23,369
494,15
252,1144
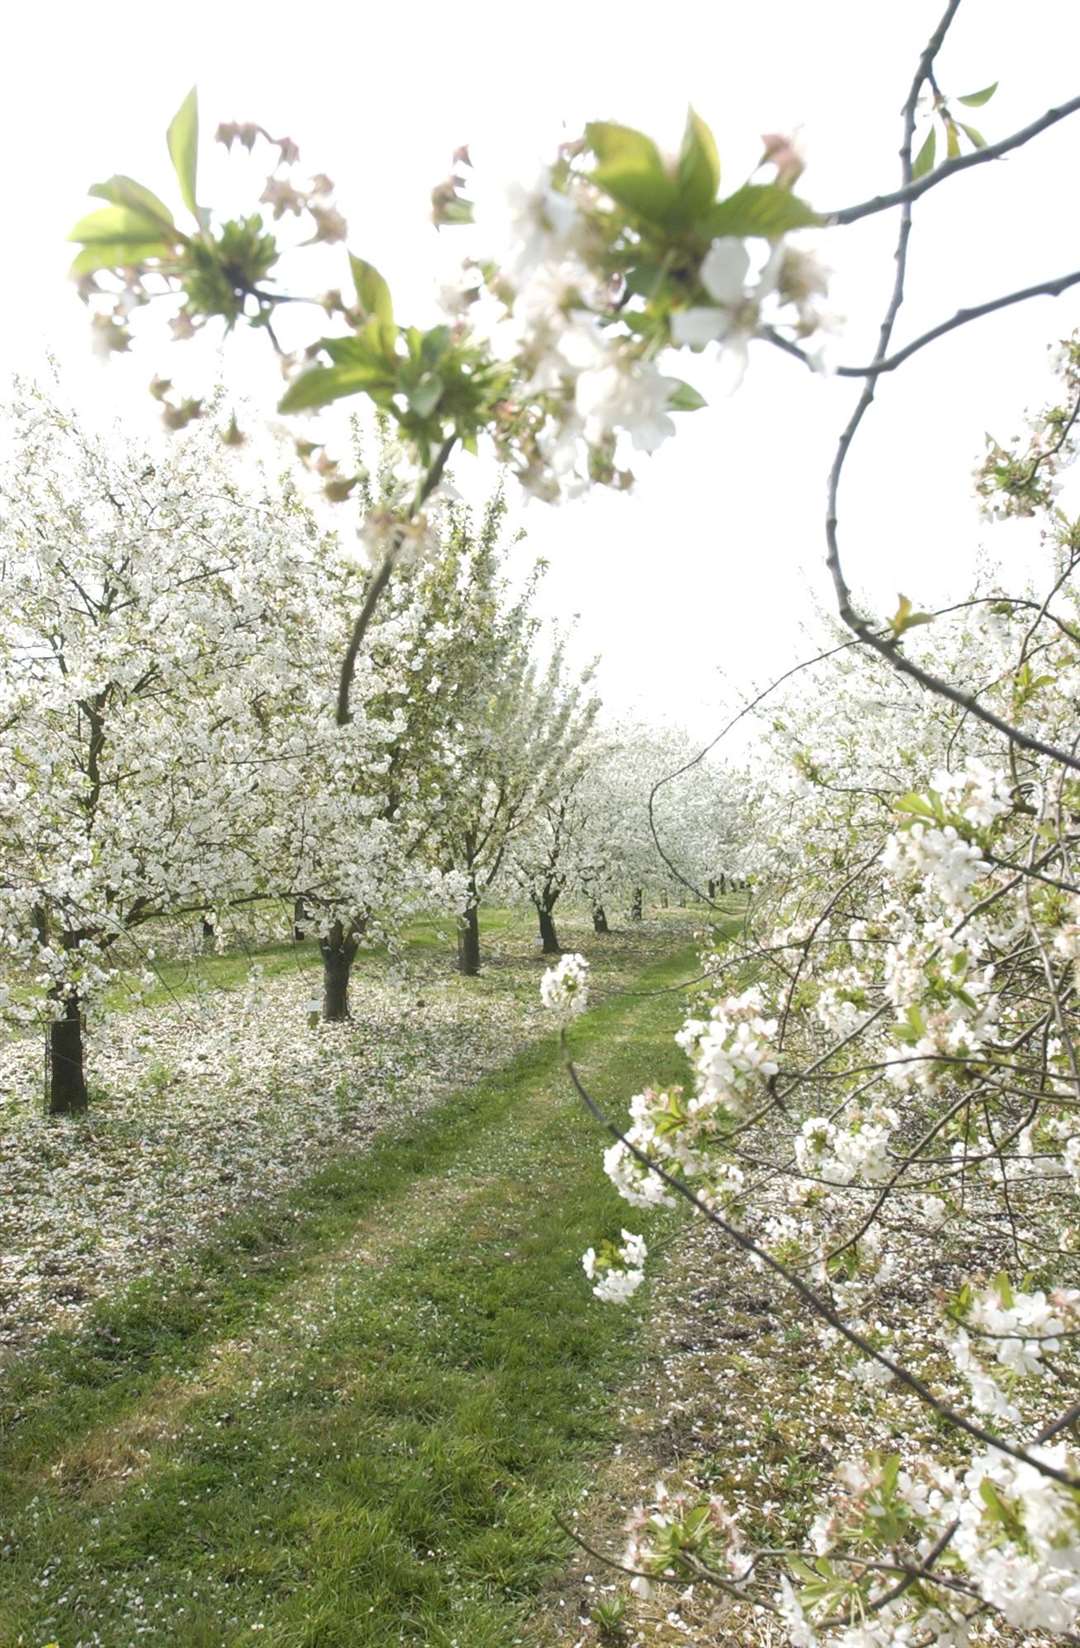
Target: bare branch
912,190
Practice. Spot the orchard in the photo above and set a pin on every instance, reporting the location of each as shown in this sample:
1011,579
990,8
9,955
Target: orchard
484,1162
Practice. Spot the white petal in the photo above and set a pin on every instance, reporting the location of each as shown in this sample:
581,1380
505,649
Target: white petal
693,327
725,268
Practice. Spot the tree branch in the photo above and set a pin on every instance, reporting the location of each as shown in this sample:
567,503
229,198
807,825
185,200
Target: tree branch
1047,288
912,190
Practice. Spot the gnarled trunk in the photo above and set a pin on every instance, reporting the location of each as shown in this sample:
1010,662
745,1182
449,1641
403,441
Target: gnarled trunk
67,1075
599,919
637,906
338,951
468,941
549,939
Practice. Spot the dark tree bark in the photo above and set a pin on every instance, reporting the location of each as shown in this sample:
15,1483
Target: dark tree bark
637,906
468,941
209,933
723,883
599,919
549,938
711,889
301,915
67,1075
338,951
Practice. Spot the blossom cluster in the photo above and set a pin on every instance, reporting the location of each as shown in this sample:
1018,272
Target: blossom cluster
564,989
580,289
616,1271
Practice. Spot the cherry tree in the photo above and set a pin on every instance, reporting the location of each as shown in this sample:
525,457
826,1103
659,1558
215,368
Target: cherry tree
519,729
544,859
139,660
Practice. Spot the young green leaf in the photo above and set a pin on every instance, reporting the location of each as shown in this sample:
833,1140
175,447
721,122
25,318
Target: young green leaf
905,618
758,209
685,399
320,385
699,167
372,348
116,254
975,138
117,225
183,140
952,140
124,191
975,100
924,160
372,292
632,171
426,396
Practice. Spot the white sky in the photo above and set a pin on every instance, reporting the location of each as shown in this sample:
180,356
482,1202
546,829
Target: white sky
715,559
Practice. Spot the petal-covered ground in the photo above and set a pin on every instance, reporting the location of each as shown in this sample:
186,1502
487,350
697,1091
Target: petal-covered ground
217,1100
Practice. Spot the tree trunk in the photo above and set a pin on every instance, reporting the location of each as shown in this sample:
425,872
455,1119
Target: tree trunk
67,1077
599,919
468,942
549,939
301,915
209,933
637,905
711,889
723,883
664,901
338,954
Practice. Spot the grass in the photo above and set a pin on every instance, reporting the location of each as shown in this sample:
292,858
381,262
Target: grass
351,1420
186,975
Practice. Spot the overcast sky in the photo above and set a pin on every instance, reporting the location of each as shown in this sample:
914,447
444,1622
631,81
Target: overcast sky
708,569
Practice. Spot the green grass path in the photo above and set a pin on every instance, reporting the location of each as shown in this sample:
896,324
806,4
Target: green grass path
350,1422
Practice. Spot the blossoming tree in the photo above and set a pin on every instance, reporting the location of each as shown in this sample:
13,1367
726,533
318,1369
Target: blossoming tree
139,662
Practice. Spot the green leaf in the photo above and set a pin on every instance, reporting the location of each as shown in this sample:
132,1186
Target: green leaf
632,171
116,254
758,209
183,140
1003,1288
116,225
124,191
698,167
374,345
924,160
642,279
905,618
322,384
952,140
435,344
372,292
975,100
975,138
456,211
426,396
685,399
